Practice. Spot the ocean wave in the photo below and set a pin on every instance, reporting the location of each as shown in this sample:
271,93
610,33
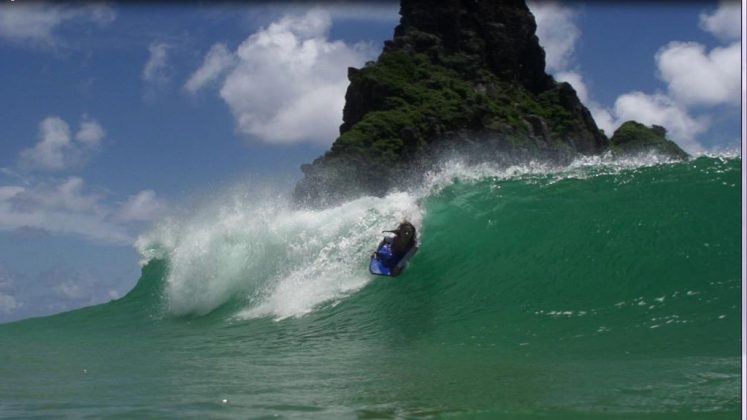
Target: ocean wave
272,259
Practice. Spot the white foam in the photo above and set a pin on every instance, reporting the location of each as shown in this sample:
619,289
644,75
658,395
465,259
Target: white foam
457,170
284,262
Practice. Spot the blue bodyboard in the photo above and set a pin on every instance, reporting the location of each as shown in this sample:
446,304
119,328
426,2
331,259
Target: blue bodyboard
379,266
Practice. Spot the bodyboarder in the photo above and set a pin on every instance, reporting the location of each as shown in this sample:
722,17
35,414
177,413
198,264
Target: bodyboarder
391,250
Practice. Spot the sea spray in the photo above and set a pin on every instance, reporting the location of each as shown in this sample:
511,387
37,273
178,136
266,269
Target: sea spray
277,260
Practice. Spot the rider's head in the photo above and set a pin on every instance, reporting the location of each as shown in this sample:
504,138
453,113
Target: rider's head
406,232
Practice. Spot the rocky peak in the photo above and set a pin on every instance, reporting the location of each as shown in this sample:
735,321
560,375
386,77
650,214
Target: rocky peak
465,76
497,35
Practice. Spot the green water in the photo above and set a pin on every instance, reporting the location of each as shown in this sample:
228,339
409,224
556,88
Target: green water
596,292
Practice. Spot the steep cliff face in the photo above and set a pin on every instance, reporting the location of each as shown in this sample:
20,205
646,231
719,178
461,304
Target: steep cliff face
463,75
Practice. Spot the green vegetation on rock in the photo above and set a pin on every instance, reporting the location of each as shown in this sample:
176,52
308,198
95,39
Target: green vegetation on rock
459,75
633,138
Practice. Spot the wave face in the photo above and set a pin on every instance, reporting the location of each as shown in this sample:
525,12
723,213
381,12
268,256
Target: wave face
607,288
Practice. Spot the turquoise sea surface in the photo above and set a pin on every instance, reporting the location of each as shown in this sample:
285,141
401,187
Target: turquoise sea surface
606,289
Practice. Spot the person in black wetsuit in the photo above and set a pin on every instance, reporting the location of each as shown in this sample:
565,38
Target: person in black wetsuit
404,236
404,239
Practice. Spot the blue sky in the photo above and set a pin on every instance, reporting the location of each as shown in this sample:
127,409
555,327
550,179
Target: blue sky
114,115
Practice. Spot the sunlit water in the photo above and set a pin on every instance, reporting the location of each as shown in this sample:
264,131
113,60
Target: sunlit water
603,289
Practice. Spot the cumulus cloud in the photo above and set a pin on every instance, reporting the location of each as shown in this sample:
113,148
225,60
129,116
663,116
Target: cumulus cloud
53,147
70,207
9,191
288,82
54,289
34,207
602,116
101,13
66,196
576,80
56,149
143,206
90,133
694,77
8,304
697,77
37,22
217,61
156,68
339,10
65,289
724,22
31,21
66,207
557,32
71,289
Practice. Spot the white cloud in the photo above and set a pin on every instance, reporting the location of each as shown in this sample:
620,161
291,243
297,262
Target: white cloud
661,110
65,207
7,278
724,22
557,32
697,77
31,21
604,119
9,191
156,68
8,172
67,288
90,133
101,13
56,288
8,304
288,82
36,22
602,116
69,207
217,61
30,206
56,150
67,196
648,109
694,77
70,289
577,81
143,206
558,35
338,10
